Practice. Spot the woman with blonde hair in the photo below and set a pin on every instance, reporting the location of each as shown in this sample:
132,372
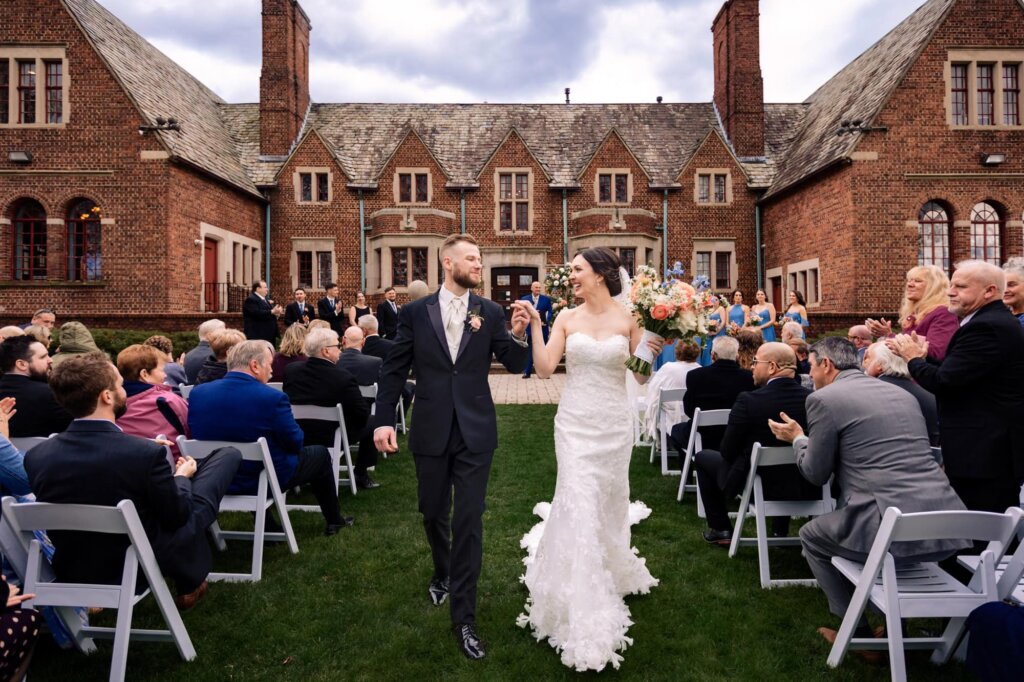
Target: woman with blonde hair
39,333
1013,295
290,351
924,310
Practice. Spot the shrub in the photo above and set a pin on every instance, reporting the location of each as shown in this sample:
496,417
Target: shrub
113,341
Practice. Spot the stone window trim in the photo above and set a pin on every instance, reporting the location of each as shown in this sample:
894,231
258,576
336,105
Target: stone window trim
799,276
243,272
613,172
716,246
414,172
312,171
711,173
971,58
379,272
645,245
498,172
770,275
514,257
314,245
41,54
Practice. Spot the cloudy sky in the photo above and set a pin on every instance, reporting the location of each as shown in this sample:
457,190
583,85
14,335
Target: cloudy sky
513,50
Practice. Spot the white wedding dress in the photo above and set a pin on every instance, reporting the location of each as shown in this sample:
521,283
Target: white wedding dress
580,562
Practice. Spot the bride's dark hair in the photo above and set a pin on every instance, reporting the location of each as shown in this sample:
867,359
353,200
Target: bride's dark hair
605,262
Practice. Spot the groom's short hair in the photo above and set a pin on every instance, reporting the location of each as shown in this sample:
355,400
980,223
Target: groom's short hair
454,239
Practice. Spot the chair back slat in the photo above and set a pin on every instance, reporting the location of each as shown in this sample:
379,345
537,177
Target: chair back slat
201,449
26,443
317,413
946,525
711,418
276,385
368,391
185,389
776,456
31,516
670,395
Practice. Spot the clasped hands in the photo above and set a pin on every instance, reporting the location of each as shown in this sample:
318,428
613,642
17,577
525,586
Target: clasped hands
523,313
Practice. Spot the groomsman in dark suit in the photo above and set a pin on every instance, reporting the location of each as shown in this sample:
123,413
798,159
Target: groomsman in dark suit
260,315
299,310
329,309
387,313
543,305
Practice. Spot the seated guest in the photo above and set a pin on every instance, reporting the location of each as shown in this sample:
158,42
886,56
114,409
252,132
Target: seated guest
318,324
152,408
882,363
924,310
44,317
26,367
319,381
19,630
39,333
373,343
714,387
365,368
792,330
802,349
94,462
290,351
417,289
750,340
721,474
75,339
1013,294
860,337
671,375
10,331
875,442
216,366
174,374
195,358
241,408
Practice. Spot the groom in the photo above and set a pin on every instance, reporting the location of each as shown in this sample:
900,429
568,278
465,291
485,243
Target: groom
449,338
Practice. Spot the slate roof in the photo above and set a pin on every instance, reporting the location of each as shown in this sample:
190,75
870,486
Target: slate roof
159,87
859,91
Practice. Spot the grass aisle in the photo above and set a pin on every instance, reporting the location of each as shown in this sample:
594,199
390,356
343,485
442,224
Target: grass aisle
354,607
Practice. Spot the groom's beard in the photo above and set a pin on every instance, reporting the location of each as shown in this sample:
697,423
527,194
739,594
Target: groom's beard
465,279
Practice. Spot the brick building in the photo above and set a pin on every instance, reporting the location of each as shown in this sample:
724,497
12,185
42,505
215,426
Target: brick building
132,195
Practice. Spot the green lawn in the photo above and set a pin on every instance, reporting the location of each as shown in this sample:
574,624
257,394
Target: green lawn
354,607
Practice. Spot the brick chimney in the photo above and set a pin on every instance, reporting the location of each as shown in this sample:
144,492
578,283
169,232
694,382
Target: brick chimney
284,79
739,90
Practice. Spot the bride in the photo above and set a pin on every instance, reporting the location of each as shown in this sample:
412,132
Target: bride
583,564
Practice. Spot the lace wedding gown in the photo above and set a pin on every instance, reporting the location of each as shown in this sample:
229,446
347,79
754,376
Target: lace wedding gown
580,563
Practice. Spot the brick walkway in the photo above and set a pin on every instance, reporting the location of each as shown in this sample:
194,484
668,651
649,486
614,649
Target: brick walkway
513,389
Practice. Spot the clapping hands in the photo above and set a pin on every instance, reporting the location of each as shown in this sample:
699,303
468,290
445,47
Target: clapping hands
878,328
6,412
787,430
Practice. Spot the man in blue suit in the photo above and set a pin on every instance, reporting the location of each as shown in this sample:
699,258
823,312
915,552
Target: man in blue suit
241,408
543,305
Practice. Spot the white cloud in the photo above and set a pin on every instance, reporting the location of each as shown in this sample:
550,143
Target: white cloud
234,81
342,82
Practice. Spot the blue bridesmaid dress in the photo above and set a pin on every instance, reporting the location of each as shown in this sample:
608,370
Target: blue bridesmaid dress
796,317
768,333
736,315
705,354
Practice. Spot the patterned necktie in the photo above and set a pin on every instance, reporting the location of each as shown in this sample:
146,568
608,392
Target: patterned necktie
454,326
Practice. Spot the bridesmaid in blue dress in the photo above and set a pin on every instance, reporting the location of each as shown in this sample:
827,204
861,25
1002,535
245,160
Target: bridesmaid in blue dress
765,311
716,317
738,313
796,311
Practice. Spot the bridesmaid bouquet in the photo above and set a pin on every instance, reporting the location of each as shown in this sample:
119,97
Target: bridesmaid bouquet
669,308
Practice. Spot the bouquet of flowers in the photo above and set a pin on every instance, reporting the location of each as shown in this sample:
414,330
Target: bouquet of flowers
669,308
556,283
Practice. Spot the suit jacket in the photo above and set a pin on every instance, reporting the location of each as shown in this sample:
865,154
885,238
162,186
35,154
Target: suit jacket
39,413
715,387
377,347
291,313
447,390
872,436
259,319
979,387
748,424
365,368
925,400
194,360
321,382
240,409
325,311
93,462
388,319
543,307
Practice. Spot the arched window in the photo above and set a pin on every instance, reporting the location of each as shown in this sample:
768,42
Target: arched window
986,233
84,259
29,257
933,236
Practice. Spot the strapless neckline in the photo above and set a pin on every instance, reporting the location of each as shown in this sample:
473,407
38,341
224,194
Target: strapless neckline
596,340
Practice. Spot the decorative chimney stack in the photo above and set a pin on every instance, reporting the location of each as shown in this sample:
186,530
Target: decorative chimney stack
284,79
739,90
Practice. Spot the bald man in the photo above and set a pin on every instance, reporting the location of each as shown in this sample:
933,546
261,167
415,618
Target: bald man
722,475
979,387
860,336
366,370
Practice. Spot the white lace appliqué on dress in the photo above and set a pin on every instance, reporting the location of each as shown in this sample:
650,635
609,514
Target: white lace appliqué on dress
580,562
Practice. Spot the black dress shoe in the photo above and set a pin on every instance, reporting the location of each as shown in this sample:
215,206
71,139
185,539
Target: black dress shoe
438,591
366,483
722,538
333,528
469,642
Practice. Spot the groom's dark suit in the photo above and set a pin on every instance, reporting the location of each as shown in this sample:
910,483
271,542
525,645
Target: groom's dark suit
455,430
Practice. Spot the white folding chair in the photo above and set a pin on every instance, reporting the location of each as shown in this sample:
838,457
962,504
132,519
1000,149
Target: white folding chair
761,456
370,392
340,450
185,389
400,415
920,589
665,396
257,504
276,385
26,443
701,419
119,520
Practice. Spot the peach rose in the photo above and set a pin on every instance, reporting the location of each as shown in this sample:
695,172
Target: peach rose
661,312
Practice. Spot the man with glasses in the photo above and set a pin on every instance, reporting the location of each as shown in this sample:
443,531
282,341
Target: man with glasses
722,474
860,336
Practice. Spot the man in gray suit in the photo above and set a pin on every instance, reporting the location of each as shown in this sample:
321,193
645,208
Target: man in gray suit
872,436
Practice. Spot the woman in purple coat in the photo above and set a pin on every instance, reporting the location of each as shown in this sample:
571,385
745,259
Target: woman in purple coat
923,310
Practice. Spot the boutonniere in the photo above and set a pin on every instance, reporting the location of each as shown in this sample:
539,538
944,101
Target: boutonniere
473,321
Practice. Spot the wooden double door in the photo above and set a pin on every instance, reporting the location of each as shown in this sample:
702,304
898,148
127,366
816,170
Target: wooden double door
511,284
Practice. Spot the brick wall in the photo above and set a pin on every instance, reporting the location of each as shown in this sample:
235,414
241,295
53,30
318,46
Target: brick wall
739,89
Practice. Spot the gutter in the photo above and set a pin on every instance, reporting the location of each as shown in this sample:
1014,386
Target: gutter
362,242
565,226
664,231
758,245
266,242
462,211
